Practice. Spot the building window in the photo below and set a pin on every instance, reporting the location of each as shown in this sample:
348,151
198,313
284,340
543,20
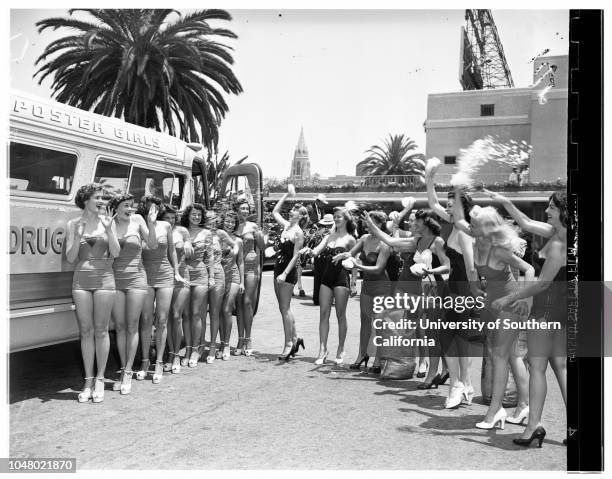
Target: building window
487,110
450,160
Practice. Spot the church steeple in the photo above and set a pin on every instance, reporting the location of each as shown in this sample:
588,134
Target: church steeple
300,167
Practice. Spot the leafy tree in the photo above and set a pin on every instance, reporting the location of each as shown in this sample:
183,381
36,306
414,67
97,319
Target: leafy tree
396,157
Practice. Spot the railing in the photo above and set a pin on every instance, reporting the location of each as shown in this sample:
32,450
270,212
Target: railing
416,181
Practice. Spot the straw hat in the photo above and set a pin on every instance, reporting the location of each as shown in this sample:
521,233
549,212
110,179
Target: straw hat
327,220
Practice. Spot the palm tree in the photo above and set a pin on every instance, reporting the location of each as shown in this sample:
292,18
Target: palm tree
395,157
215,169
141,66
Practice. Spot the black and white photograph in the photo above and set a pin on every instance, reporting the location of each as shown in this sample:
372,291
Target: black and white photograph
303,239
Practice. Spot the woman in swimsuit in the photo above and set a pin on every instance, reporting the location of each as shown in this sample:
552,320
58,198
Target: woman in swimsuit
455,347
233,265
288,249
219,238
180,296
92,243
494,259
161,265
201,279
549,294
335,281
374,255
430,252
130,281
252,238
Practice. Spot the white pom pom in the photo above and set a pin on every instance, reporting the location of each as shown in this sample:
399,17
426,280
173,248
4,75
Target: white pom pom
417,269
432,164
269,252
408,201
351,206
291,189
348,263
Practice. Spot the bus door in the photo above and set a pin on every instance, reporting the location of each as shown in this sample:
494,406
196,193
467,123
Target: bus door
246,181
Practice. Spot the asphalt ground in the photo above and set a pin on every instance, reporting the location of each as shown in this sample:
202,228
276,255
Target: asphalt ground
259,413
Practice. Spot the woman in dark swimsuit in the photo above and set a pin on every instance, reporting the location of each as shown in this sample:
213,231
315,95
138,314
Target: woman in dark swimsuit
91,242
290,243
374,255
429,251
130,281
335,281
549,294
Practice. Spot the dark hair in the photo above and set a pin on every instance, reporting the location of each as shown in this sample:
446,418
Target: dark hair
233,215
145,204
304,215
240,202
85,192
164,209
116,200
466,202
559,199
187,212
429,221
381,218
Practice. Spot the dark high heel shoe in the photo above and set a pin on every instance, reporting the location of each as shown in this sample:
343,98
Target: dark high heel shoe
430,385
294,349
376,369
298,343
357,365
538,434
444,378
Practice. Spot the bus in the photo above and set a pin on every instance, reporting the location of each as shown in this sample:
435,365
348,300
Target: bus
53,149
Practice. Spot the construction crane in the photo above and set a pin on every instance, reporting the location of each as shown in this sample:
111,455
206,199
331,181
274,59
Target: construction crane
484,64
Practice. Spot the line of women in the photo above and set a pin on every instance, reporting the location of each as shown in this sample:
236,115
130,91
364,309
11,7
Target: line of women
482,248
144,267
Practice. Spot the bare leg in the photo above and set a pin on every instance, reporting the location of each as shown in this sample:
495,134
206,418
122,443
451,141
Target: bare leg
135,300
341,295
102,306
251,284
199,295
162,311
229,302
284,292
503,340
366,330
83,301
215,298
180,298
325,300
118,315
146,325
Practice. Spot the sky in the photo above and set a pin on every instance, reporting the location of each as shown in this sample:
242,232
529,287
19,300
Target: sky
348,77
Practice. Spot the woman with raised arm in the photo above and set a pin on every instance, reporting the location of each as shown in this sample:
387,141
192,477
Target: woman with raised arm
549,294
252,238
429,252
233,265
130,280
335,281
374,255
494,260
161,265
201,279
179,319
455,347
290,242
91,242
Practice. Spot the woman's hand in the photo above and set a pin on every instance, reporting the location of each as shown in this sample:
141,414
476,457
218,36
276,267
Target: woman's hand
188,250
341,257
106,219
495,196
79,229
281,278
152,216
180,279
521,307
241,288
501,303
211,282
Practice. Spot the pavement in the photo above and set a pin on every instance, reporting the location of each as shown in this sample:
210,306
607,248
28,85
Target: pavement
259,413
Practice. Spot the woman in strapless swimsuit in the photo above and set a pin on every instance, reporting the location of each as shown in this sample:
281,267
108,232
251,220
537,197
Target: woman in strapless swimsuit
91,242
494,259
161,265
549,294
335,281
130,281
288,247
252,238
201,279
233,265
179,317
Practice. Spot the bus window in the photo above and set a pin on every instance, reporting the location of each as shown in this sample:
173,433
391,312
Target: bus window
199,186
41,170
163,184
238,188
114,176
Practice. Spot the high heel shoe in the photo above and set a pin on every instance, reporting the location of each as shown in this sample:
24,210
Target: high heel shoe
455,396
375,369
444,378
176,364
339,359
468,395
144,371
185,359
422,371
298,343
98,396
248,348
226,353
539,434
500,417
117,383
524,414
357,364
168,364
322,359
194,358
286,355
126,382
159,372
433,384
210,358
238,348
219,352
85,394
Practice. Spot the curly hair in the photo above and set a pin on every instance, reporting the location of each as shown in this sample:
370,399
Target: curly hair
381,218
466,202
187,212
145,204
85,192
116,200
428,220
230,214
559,199
495,227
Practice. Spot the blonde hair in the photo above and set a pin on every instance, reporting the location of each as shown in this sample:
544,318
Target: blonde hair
494,227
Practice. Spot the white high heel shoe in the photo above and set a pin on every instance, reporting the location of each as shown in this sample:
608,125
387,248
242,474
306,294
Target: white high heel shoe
126,388
117,383
144,371
468,394
159,372
85,394
524,414
321,360
455,396
340,359
98,396
500,417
